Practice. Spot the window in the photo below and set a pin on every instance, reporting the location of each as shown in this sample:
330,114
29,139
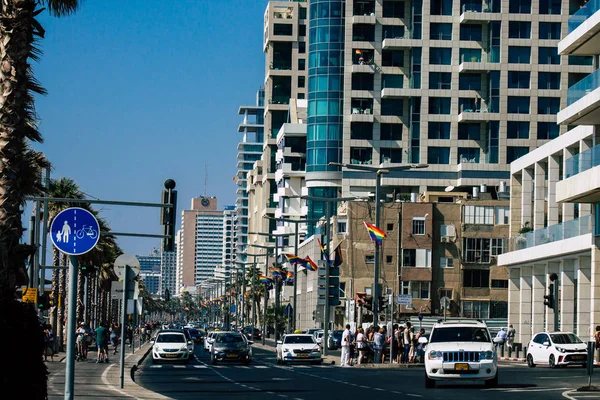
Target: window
392,58
301,47
446,293
479,215
517,130
282,29
519,79
439,105
301,64
469,82
301,81
362,81
548,130
476,309
514,152
469,155
394,31
440,31
518,105
440,80
390,155
441,7
420,289
438,130
469,131
548,105
389,259
502,215
302,30
438,155
391,81
548,55
498,246
519,30
469,55
369,259
342,227
362,32
405,287
361,155
500,283
418,225
550,30
470,32
389,227
549,80
519,6
581,60
361,130
440,56
519,54
476,278
393,9
550,7
419,258
391,131
393,107
446,262
447,231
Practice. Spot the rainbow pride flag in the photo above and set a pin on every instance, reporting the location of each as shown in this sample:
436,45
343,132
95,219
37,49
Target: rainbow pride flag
375,233
310,264
264,279
295,260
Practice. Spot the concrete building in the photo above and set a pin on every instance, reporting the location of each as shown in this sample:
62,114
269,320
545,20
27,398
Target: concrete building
168,272
179,261
201,240
151,262
151,280
554,205
229,246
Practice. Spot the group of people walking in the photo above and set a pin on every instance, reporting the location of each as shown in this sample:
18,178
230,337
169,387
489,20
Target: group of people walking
373,345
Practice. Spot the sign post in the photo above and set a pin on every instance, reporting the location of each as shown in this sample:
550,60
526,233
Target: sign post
126,267
74,231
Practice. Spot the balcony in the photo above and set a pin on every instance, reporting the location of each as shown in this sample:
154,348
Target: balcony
474,13
551,234
400,92
582,178
584,26
364,19
482,63
399,43
481,114
583,102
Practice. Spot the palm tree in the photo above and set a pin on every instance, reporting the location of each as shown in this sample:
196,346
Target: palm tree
19,177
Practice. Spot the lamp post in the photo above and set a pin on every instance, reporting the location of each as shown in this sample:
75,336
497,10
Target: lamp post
379,172
266,294
296,222
277,291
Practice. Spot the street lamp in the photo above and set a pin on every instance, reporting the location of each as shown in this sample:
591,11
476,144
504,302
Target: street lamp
277,292
296,222
266,294
379,171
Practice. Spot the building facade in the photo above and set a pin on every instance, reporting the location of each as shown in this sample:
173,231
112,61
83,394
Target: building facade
168,272
151,280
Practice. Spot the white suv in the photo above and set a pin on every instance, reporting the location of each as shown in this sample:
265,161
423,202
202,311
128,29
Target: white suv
460,350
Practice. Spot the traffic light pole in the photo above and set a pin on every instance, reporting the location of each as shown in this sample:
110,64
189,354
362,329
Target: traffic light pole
325,339
71,327
376,267
556,311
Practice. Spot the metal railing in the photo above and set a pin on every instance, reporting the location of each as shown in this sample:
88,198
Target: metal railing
583,14
554,233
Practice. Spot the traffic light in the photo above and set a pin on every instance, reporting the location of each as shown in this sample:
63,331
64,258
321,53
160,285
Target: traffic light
369,303
549,298
51,301
361,299
168,215
43,301
383,302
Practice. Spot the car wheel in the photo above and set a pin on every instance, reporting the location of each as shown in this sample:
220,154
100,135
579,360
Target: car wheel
552,361
154,361
317,362
492,383
213,361
429,383
530,362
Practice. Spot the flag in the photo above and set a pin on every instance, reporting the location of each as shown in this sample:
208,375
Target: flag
289,277
264,279
310,264
294,260
337,256
358,51
323,252
375,233
276,272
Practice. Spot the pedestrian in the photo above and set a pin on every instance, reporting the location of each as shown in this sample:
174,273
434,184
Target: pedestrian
597,340
48,343
102,343
371,334
378,345
400,339
510,337
114,337
502,336
420,358
394,343
361,344
412,352
346,339
407,339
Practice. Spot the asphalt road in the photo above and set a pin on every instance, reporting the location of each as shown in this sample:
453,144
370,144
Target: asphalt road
265,380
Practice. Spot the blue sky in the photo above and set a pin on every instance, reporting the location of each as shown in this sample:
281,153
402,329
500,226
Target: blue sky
144,90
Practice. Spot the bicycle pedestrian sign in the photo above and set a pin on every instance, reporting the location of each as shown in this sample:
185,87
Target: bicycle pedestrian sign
75,231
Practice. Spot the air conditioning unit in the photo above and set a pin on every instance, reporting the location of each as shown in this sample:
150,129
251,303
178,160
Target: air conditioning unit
445,239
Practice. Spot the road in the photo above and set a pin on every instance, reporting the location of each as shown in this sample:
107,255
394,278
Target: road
265,380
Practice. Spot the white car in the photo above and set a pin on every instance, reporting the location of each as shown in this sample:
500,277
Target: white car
460,350
298,348
556,349
319,337
170,345
208,340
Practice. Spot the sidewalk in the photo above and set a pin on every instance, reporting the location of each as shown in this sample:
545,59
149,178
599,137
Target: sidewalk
93,381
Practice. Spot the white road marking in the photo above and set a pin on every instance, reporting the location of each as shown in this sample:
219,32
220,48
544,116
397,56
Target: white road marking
412,394
261,366
156,366
199,366
178,366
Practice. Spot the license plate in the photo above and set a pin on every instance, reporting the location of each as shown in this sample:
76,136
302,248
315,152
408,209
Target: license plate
461,367
232,355
171,355
302,355
577,357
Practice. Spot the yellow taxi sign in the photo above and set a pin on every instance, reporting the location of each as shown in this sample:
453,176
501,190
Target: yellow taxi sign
29,295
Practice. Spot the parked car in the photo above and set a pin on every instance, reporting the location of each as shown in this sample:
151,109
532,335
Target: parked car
231,346
334,341
319,337
556,349
298,348
170,345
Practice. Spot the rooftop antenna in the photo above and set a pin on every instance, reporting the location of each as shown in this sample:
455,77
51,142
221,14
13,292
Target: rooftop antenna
205,179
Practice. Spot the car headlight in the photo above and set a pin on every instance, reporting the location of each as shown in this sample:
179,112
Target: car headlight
286,350
486,355
434,355
156,348
315,350
561,349
184,347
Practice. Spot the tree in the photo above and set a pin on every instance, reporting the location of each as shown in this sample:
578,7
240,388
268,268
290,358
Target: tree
19,177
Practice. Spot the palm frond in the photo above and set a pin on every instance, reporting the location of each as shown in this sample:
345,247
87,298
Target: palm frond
60,8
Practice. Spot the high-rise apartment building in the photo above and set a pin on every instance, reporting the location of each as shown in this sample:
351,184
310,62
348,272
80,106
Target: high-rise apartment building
168,272
230,219
201,240
151,262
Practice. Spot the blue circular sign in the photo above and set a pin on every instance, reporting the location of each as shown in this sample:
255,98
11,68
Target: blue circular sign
75,231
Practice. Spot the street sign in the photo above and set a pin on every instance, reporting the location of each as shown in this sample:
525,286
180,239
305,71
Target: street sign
288,310
29,295
126,260
116,291
404,299
445,302
75,231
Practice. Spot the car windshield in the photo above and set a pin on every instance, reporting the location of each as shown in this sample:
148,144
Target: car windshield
230,339
170,338
299,340
460,334
565,338
193,331
337,334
